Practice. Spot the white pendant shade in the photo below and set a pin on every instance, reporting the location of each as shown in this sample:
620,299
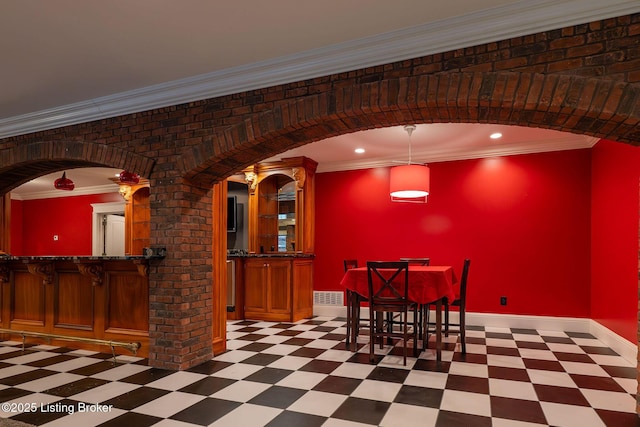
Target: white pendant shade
409,182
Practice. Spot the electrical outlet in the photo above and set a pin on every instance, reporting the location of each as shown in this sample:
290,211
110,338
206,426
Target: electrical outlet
503,300
55,237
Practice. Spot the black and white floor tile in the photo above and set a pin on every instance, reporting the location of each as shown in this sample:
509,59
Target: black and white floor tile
299,374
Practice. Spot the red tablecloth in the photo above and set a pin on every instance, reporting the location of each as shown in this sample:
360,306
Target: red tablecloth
426,283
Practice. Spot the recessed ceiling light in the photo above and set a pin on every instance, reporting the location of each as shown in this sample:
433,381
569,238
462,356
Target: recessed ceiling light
495,135
359,150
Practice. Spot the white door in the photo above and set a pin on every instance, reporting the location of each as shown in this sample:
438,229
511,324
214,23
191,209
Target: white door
114,235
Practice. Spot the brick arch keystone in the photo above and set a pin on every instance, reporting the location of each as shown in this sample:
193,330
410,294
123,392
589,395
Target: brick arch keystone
25,162
597,107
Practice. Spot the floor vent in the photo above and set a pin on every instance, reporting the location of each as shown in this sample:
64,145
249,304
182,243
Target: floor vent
328,298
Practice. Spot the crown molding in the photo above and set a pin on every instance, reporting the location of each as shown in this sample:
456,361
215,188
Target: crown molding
570,142
52,194
489,25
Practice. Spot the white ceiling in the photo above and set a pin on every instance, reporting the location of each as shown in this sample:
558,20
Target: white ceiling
72,61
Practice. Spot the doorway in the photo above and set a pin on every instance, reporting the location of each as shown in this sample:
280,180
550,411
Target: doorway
108,230
113,235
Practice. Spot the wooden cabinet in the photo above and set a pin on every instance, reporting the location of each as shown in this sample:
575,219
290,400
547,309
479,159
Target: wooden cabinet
278,289
277,214
138,224
281,206
137,216
277,272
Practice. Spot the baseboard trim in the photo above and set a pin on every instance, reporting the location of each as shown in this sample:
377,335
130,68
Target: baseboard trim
330,311
620,345
547,323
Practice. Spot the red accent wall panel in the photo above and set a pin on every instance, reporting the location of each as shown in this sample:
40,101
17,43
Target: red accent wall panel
69,218
523,220
16,227
614,230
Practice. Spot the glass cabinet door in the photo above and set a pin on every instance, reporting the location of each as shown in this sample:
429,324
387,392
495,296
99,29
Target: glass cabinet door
287,217
277,214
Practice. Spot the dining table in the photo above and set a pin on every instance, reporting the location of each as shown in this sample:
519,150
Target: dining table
427,285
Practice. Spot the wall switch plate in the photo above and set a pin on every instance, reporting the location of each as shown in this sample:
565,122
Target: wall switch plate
55,237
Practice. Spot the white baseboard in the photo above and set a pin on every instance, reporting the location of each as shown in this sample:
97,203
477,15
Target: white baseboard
330,311
623,347
543,323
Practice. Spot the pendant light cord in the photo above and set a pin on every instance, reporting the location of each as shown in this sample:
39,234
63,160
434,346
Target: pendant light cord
409,129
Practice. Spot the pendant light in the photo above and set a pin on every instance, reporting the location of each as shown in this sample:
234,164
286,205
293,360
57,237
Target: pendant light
64,183
410,182
127,177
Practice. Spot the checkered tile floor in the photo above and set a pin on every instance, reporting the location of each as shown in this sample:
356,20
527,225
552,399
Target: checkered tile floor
282,374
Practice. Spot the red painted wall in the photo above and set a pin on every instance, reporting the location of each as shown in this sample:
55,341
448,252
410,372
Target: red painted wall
67,217
523,220
16,227
614,230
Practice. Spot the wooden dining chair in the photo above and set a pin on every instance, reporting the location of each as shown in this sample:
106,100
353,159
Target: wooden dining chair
461,303
422,308
388,283
353,308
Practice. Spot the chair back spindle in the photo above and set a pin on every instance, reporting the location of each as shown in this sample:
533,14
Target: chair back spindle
349,264
417,261
463,283
388,285
393,277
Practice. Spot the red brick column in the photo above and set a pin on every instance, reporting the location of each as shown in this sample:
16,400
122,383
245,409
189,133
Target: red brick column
180,294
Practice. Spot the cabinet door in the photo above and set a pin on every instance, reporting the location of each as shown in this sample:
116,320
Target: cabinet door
255,280
140,223
302,290
279,290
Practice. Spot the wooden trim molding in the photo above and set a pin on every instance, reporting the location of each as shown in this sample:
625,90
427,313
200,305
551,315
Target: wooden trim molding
219,255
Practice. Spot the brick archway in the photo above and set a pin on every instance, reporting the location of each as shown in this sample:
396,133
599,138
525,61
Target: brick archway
25,162
597,107
582,79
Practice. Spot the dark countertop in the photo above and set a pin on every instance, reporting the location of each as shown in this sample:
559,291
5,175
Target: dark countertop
70,258
271,255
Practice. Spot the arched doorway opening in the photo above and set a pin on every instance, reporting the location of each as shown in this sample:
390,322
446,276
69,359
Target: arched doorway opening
441,99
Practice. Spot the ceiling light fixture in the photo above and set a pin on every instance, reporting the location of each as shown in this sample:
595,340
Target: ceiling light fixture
64,183
409,183
359,150
127,177
495,135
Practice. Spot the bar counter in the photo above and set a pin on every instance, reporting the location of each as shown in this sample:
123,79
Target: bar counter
89,297
271,286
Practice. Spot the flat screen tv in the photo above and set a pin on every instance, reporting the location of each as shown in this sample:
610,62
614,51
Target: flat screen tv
232,214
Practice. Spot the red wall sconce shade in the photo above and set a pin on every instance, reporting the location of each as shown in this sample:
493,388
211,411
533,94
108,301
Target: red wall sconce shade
409,183
127,177
64,183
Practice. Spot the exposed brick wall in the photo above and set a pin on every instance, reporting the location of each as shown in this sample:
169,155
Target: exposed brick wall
180,300
583,79
603,108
